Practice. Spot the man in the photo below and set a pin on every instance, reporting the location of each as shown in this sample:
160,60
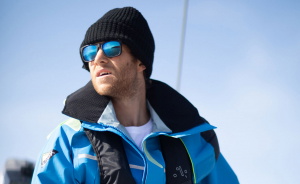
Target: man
125,127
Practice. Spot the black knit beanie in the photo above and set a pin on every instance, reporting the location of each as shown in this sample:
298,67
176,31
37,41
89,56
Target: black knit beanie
130,27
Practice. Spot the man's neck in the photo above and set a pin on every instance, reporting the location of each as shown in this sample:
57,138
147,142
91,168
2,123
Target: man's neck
132,111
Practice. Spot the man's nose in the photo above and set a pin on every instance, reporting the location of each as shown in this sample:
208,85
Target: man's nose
100,57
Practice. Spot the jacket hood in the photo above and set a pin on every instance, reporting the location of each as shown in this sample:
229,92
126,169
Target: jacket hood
175,111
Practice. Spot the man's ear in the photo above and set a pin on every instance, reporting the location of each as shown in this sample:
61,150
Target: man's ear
141,66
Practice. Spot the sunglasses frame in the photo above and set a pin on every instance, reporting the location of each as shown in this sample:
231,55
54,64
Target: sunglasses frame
99,46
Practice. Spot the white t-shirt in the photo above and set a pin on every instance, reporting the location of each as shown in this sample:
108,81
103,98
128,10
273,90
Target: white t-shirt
138,133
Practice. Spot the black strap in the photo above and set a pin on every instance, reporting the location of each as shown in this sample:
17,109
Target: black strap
211,137
178,164
111,156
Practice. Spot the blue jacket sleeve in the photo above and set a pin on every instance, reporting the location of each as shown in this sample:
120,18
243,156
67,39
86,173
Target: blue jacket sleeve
54,164
221,174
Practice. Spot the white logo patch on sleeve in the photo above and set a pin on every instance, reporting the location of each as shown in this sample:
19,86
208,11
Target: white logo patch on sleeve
47,156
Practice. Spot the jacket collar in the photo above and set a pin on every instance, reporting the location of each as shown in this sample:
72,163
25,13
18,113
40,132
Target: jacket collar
109,117
173,109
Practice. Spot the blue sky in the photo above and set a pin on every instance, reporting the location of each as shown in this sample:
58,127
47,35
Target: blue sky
241,70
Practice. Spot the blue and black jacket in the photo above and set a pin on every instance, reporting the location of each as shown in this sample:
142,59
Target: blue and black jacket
93,147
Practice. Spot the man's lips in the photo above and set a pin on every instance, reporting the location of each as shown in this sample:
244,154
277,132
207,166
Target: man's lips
102,73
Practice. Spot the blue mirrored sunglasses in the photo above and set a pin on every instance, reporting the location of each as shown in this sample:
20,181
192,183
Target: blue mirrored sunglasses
110,49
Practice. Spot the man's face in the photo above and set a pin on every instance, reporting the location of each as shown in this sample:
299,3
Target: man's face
117,77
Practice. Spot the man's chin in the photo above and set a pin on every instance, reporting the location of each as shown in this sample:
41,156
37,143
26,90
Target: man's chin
103,89
103,92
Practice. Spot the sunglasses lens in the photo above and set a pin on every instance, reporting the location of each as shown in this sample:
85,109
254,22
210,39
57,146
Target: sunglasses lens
89,53
112,48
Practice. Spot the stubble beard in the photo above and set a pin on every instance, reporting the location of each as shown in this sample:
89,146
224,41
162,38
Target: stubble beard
125,86
125,89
